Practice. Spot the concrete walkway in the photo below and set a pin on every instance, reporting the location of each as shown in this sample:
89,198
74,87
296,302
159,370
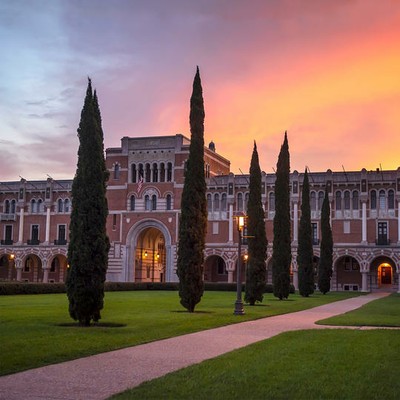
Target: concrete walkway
100,376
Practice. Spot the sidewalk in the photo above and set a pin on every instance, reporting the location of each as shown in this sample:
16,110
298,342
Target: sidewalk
100,376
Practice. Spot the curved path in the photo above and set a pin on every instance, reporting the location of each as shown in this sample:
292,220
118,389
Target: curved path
100,376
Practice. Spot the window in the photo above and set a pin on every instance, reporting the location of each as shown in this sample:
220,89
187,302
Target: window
223,202
355,200
155,172
147,177
62,234
215,228
8,234
382,200
313,202
66,205
373,199
35,233
314,233
132,202
321,196
391,199
162,172
271,201
154,202
147,204
338,200
12,206
60,205
216,202
346,226
7,207
246,200
209,203
40,206
114,227
169,172
169,202
133,173
347,200
33,206
141,172
116,171
240,202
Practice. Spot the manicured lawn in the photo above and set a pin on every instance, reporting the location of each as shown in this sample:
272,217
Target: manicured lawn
382,312
31,334
305,365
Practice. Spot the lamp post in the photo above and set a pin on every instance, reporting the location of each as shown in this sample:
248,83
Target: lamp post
239,303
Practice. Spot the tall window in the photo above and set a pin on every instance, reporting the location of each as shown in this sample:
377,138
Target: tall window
169,202
66,205
60,205
246,200
61,234
223,202
313,201
13,206
169,172
133,173
338,200
314,233
271,201
132,202
147,203
154,202
148,173
7,207
391,199
35,233
347,200
209,203
116,171
355,200
155,172
33,206
373,199
382,200
216,202
162,172
321,196
239,202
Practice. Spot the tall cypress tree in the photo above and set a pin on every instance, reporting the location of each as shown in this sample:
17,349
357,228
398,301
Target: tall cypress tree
89,243
193,221
257,244
305,249
326,248
282,254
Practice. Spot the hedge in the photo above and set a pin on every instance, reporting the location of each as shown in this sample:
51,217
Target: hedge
11,288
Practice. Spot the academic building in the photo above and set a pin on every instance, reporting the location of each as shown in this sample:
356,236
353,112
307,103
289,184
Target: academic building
144,195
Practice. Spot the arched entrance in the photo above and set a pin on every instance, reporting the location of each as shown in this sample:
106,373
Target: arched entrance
382,273
32,270
215,269
58,269
7,267
348,275
150,256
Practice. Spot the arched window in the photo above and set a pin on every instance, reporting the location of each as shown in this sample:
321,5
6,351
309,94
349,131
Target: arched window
133,173
147,204
132,203
347,200
271,201
7,207
33,206
338,200
116,171
216,202
66,205
40,206
169,202
60,206
209,203
373,199
246,200
391,199
162,172
223,202
13,206
169,172
313,201
155,172
321,196
239,202
382,200
147,177
141,172
154,202
355,200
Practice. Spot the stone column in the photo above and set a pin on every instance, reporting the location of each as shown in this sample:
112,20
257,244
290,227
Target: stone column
364,223
21,226
364,286
295,272
46,274
230,233
47,239
230,267
18,267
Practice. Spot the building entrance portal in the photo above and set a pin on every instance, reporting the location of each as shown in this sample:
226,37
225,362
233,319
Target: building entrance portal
385,274
150,256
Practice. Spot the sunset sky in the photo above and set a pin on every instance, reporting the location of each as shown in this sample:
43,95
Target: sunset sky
327,71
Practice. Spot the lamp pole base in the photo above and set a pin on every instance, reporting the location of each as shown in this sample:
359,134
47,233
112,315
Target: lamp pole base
239,310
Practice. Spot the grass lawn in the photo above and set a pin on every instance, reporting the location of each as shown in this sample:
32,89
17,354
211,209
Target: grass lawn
306,365
382,312
31,333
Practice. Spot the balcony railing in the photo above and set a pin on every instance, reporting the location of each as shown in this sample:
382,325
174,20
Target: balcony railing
7,217
382,242
60,242
7,242
33,242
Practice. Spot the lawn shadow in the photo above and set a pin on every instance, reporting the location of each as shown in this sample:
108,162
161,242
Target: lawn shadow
195,312
93,325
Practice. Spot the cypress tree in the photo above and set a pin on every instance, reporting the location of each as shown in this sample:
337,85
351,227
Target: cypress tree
257,244
193,221
305,249
89,243
282,254
326,248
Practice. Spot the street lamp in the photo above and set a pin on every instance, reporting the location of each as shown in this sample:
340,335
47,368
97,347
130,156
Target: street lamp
239,303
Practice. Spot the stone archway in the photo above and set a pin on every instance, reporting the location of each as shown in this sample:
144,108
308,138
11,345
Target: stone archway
382,273
58,269
32,270
149,252
215,269
348,274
